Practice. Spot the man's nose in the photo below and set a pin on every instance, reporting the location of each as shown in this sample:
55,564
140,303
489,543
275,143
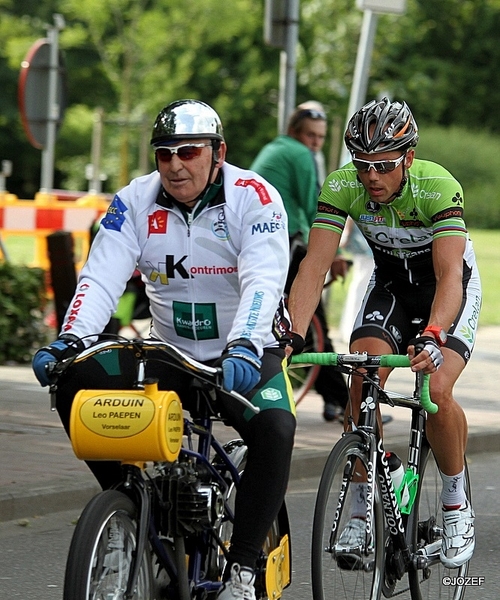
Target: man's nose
175,163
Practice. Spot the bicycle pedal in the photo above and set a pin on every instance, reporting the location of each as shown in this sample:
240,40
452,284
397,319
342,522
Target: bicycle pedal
278,575
351,562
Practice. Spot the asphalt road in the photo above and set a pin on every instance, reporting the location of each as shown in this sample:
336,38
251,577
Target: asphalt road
33,551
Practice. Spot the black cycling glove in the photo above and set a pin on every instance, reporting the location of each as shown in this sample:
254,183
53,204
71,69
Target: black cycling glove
297,342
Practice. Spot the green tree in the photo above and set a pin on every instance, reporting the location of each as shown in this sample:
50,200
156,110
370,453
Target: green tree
152,52
442,58
131,57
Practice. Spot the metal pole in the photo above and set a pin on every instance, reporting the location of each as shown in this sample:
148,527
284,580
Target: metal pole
361,71
145,148
288,65
54,109
95,182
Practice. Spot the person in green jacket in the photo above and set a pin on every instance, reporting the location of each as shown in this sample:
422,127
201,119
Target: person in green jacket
289,162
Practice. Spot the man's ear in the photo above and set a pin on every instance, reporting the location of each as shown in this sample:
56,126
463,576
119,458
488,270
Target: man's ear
220,154
410,155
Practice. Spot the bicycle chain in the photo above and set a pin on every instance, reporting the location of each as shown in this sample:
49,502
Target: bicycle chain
407,589
401,592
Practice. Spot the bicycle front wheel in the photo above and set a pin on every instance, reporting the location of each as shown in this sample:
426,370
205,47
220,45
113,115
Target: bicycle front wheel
346,561
435,582
101,552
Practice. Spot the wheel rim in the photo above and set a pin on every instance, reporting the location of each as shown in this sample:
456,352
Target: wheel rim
355,575
427,524
111,559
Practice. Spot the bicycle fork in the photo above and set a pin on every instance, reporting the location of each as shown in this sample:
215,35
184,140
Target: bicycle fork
136,483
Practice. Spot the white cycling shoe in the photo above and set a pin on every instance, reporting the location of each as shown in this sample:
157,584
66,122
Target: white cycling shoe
352,544
239,586
353,537
458,536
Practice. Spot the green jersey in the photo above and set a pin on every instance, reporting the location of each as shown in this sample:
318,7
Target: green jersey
400,234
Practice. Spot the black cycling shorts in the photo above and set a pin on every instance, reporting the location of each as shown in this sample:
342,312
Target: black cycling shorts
396,313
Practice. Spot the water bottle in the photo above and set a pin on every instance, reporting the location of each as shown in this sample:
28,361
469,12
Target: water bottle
397,472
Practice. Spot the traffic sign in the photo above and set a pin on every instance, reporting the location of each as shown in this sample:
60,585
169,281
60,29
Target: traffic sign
33,93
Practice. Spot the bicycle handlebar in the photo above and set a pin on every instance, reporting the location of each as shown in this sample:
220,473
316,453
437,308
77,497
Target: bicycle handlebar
366,360
210,375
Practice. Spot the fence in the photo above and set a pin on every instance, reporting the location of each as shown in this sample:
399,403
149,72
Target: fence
25,225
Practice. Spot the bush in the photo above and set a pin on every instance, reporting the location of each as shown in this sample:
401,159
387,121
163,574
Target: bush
22,299
473,157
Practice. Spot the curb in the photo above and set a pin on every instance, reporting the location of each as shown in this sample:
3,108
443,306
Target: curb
45,499
310,463
57,496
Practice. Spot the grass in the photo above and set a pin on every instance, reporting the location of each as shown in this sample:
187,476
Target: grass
486,245
20,249
487,248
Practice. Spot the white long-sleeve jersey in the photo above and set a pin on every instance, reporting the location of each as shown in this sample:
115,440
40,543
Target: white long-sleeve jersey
212,276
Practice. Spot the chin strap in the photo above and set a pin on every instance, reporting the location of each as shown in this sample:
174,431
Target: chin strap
400,189
215,157
404,179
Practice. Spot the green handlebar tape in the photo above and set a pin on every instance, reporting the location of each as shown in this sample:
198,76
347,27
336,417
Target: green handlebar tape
386,360
425,397
397,360
394,360
316,358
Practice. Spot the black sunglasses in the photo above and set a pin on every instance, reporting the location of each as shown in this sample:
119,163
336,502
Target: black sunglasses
306,113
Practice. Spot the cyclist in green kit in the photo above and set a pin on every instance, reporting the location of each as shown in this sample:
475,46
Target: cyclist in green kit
410,211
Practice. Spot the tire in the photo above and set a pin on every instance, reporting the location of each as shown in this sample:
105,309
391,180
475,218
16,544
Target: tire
216,558
96,569
423,522
302,378
335,575
238,453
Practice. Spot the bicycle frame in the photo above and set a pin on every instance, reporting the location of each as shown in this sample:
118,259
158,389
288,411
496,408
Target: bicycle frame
135,483
368,431
372,395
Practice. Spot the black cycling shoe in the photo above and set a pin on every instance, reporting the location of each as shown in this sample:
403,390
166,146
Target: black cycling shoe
333,412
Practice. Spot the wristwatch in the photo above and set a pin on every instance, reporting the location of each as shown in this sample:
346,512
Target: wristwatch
438,332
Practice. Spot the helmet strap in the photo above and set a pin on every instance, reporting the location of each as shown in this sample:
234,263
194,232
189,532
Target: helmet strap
404,179
215,159
399,191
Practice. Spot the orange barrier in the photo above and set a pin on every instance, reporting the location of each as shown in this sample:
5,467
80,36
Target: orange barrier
34,220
